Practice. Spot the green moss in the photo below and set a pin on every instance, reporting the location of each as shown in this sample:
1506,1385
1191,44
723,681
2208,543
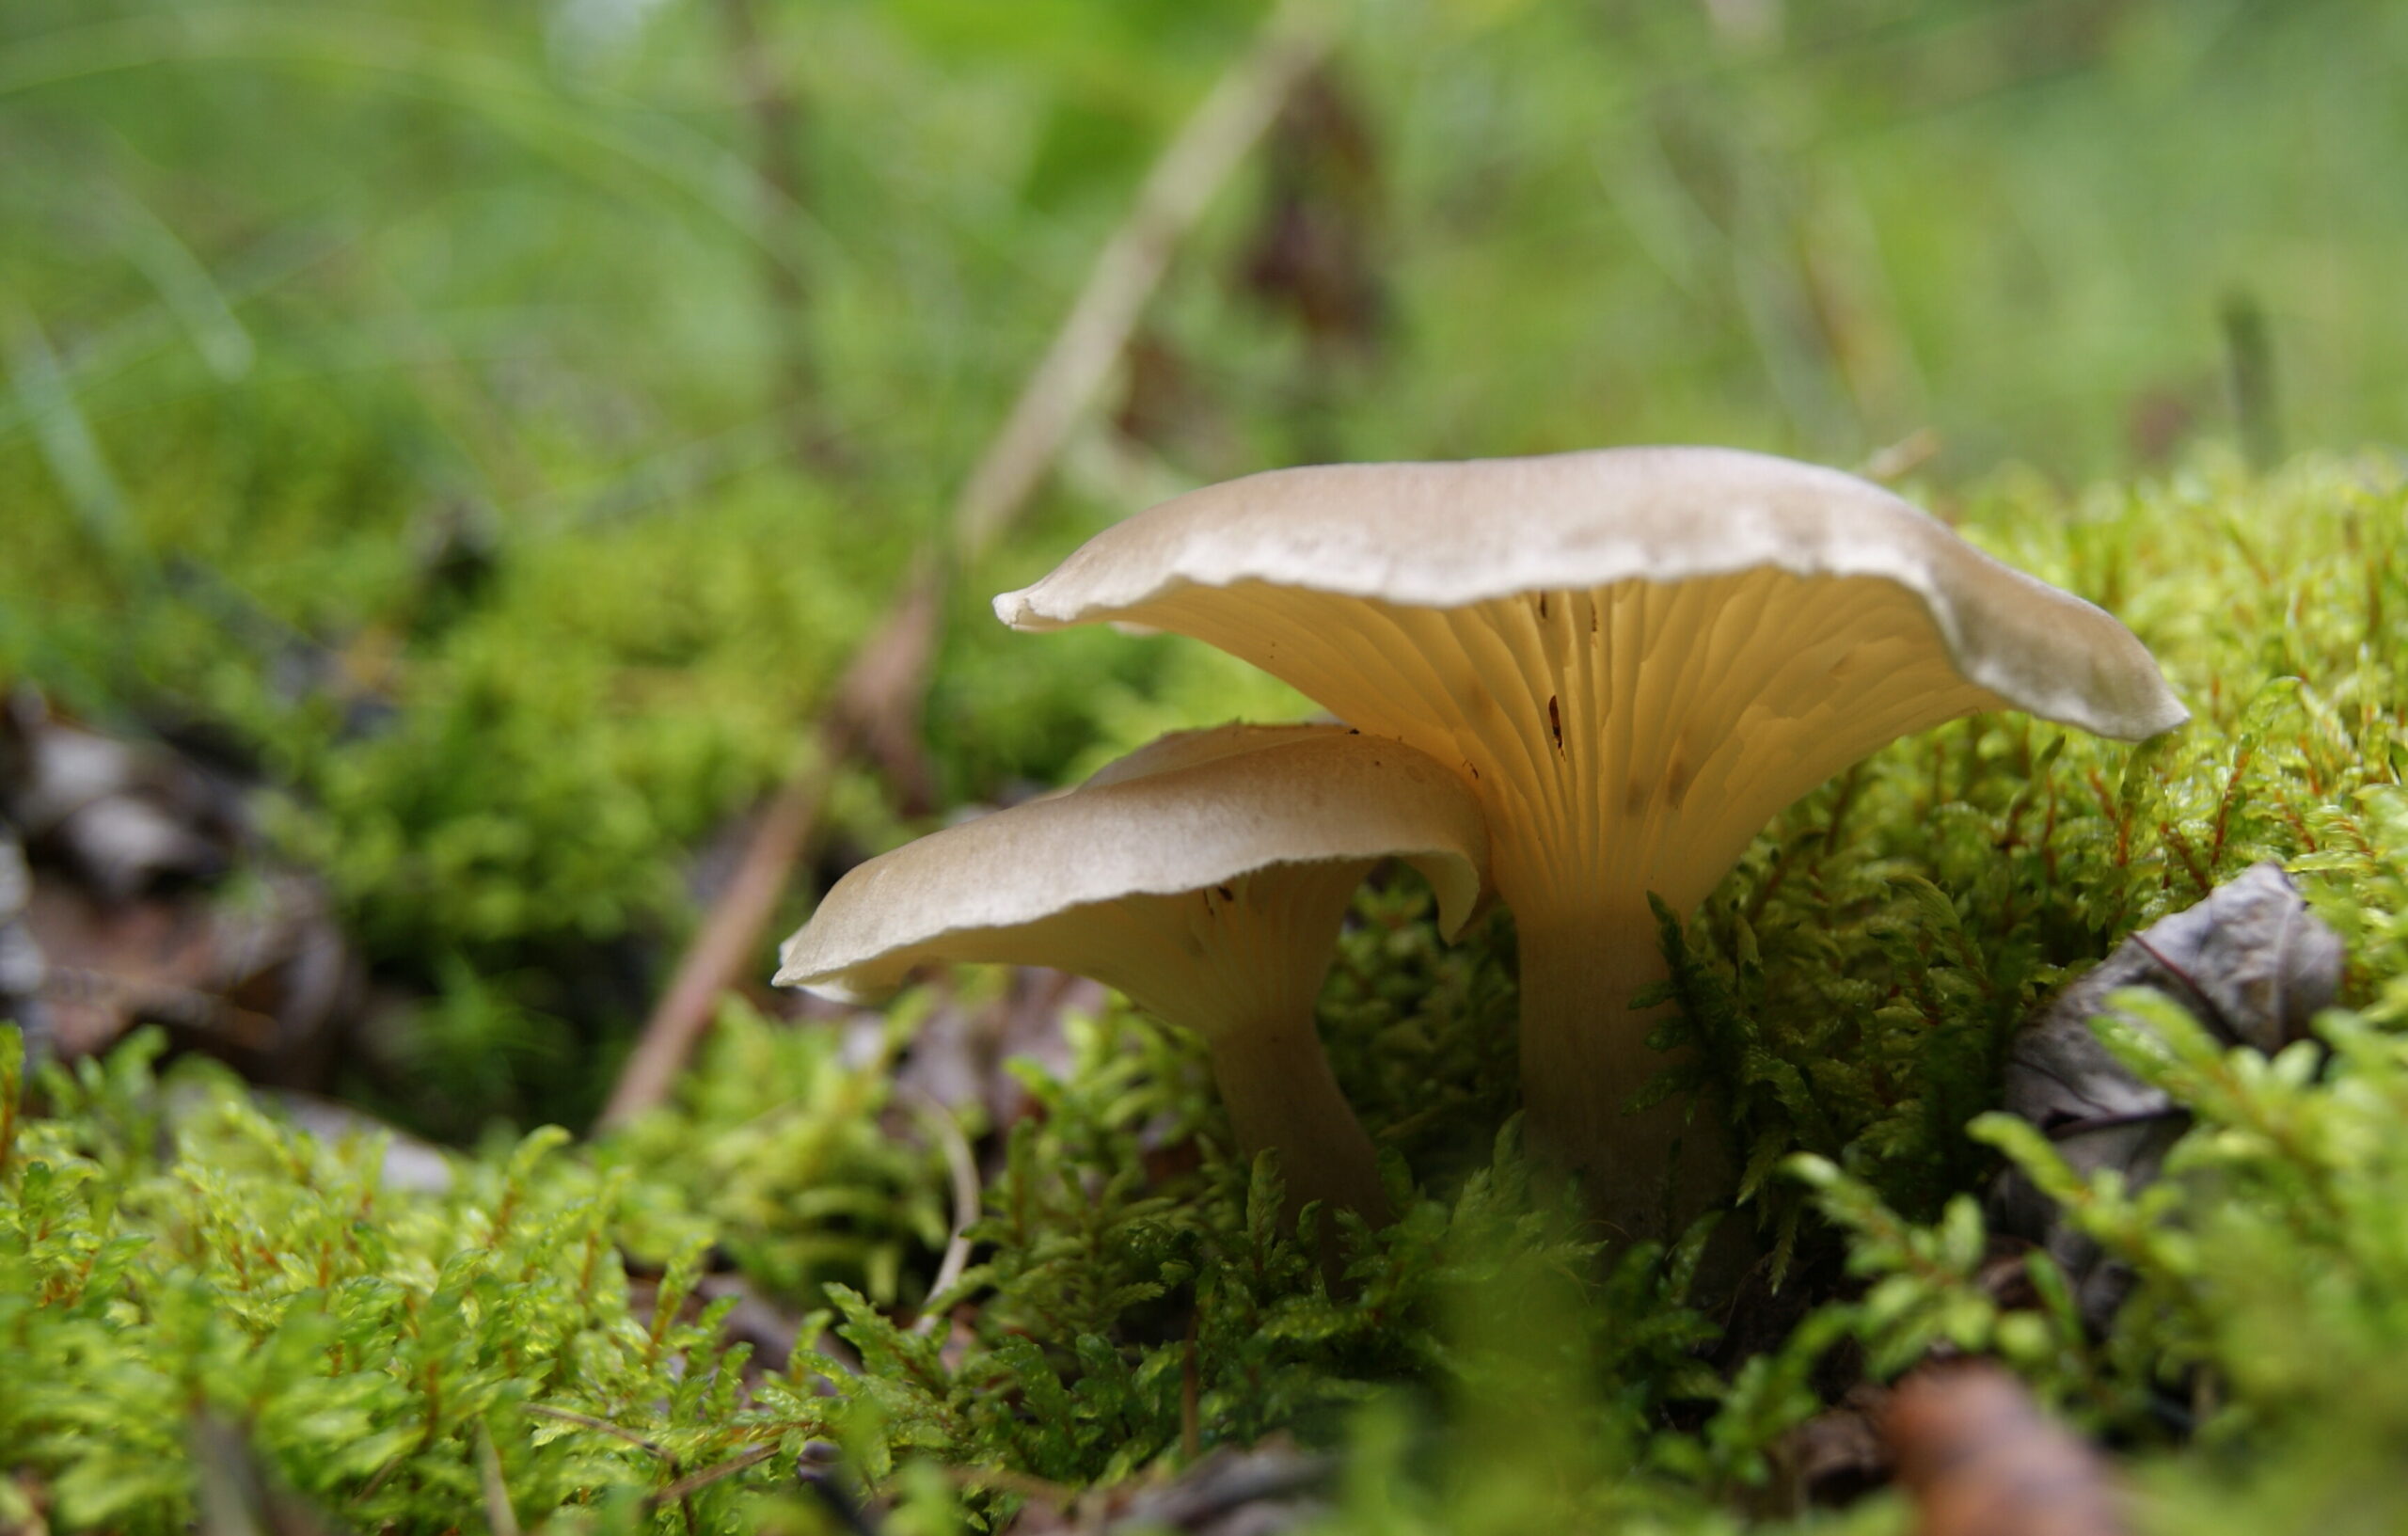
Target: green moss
784,1152
1485,1365
168,1252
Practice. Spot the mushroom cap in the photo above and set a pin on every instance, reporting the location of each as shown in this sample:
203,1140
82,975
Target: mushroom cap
1192,812
1444,535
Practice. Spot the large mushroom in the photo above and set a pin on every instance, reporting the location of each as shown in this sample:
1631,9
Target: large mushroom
1635,658
1206,877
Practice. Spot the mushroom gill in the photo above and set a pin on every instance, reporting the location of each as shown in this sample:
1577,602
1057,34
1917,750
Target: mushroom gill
1206,877
1635,658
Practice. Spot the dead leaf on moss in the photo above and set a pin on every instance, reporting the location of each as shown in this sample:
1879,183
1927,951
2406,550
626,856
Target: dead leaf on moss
124,820
22,970
260,977
115,909
1980,1459
2251,962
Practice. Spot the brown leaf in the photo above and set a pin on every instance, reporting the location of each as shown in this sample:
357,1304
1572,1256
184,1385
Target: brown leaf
260,981
124,818
22,966
2250,962
1980,1459
107,920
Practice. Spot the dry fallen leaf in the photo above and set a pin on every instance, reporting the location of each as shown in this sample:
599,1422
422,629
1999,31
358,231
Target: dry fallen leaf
125,819
1979,1459
2251,962
22,970
113,911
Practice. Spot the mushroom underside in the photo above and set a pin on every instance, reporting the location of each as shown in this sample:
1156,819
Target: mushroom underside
1622,740
1239,964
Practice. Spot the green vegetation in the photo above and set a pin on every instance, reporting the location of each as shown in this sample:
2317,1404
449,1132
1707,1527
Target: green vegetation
405,398
1854,984
487,430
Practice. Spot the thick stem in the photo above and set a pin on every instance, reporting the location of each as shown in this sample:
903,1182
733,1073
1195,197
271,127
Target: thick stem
1280,1094
1585,1053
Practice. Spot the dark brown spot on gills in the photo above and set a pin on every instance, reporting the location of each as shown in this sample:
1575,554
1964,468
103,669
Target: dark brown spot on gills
1226,894
1554,721
1677,779
1541,605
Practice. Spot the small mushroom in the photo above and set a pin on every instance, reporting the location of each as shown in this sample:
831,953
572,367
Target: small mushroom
1634,658
1206,877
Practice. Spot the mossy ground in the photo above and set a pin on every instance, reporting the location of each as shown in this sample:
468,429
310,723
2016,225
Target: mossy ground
171,1255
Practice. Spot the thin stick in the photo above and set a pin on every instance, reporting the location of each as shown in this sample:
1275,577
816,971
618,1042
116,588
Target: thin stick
502,1518
965,1201
1003,1479
708,1475
882,687
1213,142
725,947
876,706
605,1426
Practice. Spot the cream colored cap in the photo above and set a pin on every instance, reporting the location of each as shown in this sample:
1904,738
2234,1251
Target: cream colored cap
1451,535
1191,812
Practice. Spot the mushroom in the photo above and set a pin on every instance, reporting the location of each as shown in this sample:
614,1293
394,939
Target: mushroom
1206,877
1635,658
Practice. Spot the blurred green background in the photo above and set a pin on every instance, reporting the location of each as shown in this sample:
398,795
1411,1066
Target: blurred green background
488,427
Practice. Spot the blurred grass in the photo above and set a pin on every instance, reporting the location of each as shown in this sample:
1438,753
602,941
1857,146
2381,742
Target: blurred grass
411,398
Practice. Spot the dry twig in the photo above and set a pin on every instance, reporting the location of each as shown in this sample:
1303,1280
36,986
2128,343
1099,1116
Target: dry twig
1239,110
966,1194
502,1516
876,709
722,948
693,1482
603,1426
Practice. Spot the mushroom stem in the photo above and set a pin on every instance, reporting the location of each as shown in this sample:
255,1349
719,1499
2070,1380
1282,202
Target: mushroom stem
1276,1085
1585,1054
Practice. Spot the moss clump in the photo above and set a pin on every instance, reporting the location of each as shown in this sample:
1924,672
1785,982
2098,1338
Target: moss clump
168,1252
1852,986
